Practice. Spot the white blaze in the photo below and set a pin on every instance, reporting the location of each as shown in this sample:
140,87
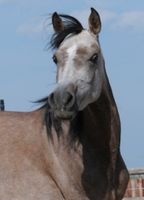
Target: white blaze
67,74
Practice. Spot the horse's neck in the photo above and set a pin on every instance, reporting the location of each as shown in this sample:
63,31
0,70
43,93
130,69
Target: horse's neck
96,120
80,155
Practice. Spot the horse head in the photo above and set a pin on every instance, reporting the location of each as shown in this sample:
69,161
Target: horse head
79,63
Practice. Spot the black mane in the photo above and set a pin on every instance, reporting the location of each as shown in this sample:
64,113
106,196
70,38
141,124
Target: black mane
71,26
51,121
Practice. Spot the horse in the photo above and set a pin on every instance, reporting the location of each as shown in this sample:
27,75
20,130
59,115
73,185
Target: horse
68,148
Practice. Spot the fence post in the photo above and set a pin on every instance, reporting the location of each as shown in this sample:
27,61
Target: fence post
2,106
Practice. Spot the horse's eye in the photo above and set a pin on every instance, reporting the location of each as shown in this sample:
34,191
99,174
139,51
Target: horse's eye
55,59
94,58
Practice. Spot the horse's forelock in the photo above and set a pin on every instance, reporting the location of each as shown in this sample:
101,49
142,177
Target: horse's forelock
71,26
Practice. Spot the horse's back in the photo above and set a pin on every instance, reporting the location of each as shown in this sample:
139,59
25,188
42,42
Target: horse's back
23,170
17,130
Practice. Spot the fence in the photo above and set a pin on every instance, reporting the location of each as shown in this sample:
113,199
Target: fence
2,107
135,189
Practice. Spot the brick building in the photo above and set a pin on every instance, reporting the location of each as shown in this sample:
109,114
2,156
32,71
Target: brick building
135,189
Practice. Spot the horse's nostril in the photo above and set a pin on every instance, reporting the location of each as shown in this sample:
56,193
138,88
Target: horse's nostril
59,100
68,99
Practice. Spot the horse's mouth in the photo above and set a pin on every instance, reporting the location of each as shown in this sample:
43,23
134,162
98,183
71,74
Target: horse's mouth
63,104
65,115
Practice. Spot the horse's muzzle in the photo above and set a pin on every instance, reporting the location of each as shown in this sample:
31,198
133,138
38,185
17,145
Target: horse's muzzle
63,103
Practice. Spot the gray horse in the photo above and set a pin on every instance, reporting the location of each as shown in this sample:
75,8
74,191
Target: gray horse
69,149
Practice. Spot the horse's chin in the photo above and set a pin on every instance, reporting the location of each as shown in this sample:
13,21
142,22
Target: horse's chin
65,115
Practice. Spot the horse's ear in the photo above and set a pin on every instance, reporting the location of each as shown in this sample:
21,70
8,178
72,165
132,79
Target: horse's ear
94,22
57,23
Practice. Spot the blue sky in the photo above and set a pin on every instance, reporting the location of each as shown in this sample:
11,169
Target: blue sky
27,72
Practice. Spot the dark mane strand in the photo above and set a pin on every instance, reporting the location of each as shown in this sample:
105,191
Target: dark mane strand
51,121
71,26
43,103
76,127
49,118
